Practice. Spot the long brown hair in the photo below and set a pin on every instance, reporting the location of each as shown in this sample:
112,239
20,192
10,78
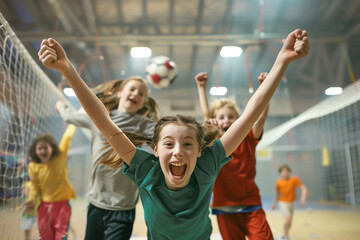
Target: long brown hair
204,134
107,93
48,138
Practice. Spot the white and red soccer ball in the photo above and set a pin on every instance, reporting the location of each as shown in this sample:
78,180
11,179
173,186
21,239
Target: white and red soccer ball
161,72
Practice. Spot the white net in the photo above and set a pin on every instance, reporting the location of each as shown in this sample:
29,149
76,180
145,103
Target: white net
322,146
27,100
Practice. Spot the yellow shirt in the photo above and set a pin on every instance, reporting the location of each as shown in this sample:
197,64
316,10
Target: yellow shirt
50,180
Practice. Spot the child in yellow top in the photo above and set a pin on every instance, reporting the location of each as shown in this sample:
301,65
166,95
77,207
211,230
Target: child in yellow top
286,196
48,174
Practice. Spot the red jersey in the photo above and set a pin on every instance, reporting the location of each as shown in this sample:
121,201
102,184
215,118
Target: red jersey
235,183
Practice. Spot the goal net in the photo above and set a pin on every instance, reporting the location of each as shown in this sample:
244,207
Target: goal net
27,100
322,146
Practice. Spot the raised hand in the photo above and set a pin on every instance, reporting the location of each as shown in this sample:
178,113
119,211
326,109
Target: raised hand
201,79
212,121
29,206
58,105
295,46
262,77
52,55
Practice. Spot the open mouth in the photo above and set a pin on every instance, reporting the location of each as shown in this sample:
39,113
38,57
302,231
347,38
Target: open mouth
225,129
178,170
132,101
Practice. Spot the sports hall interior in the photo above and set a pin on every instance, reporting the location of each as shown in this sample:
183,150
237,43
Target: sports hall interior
310,128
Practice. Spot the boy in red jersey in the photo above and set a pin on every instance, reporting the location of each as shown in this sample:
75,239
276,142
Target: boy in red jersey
236,197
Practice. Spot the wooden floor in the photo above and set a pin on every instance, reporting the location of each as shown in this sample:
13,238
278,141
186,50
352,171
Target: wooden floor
307,224
320,224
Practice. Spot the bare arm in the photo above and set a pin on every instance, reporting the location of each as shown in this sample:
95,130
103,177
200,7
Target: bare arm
276,199
201,81
303,195
259,124
79,118
53,56
34,191
295,46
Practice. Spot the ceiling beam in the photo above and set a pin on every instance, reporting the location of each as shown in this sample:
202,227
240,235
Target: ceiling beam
172,16
354,31
89,14
194,54
144,18
332,7
199,16
36,15
120,13
191,39
277,20
223,24
66,10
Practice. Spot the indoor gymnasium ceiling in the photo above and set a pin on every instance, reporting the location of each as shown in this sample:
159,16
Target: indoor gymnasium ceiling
192,32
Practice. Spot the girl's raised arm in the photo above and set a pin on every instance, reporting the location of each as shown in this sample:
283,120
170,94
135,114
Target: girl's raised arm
295,46
201,81
53,56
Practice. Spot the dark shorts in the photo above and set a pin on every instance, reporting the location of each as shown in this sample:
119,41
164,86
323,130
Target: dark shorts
108,224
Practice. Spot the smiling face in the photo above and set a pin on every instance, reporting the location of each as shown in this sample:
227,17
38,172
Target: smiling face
44,151
178,149
225,116
132,96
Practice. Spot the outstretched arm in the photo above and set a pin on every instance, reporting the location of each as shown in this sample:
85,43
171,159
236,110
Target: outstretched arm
53,56
34,191
303,195
295,46
259,124
79,118
276,199
201,81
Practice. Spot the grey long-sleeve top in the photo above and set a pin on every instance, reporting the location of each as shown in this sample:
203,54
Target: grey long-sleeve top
109,189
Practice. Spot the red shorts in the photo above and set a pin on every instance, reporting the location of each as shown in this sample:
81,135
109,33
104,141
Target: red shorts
54,220
238,225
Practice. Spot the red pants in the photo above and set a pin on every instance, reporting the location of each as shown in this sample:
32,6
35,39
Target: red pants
238,225
54,220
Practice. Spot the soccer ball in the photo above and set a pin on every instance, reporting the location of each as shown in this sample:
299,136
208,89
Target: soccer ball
161,72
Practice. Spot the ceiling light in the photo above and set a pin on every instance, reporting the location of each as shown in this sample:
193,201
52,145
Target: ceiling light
218,91
69,92
230,51
333,91
140,52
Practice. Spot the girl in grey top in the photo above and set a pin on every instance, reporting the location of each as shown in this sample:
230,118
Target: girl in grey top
111,194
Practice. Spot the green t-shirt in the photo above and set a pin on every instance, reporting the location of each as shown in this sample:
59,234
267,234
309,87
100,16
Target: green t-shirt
182,214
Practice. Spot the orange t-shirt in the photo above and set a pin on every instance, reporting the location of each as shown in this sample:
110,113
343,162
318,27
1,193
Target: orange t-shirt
287,188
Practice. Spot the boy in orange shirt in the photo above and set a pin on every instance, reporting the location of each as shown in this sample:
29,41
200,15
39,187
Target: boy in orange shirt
286,196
